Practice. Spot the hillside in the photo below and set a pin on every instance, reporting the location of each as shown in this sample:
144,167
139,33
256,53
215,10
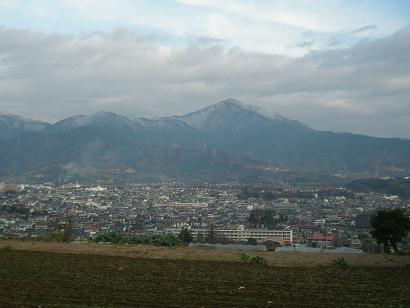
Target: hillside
389,186
227,141
240,129
12,126
107,157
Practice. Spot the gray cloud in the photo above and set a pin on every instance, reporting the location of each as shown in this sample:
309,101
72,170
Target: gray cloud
364,29
206,41
365,88
305,44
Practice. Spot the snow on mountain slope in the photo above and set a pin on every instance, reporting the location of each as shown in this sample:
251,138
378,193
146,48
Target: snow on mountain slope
232,114
12,125
100,119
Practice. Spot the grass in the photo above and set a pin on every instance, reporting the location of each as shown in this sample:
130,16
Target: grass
293,259
254,260
29,278
341,263
6,248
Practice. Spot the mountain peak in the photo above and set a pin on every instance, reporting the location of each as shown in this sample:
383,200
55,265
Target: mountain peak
20,118
231,114
218,115
105,114
227,105
230,103
100,119
12,125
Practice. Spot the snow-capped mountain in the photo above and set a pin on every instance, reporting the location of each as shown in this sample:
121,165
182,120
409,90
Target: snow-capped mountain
232,115
226,113
12,125
229,128
100,119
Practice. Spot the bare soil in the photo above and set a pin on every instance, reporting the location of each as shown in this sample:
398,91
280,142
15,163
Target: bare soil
286,259
75,278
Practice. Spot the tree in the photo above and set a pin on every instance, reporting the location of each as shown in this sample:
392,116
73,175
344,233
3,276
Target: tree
63,232
262,218
390,226
211,236
200,238
185,235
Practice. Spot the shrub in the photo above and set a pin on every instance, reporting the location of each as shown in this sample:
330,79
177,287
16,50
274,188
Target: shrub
254,260
7,248
258,260
156,240
244,257
202,246
341,263
185,235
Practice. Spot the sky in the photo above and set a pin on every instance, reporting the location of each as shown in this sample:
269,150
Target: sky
338,65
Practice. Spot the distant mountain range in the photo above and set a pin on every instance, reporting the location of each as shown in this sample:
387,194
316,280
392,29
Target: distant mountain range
227,141
12,126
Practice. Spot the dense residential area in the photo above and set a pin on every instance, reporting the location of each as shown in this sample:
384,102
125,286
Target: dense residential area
294,217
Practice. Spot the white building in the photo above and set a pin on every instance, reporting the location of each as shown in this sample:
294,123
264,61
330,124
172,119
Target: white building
240,234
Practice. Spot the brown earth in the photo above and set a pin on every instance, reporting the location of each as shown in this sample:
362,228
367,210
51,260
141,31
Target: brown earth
75,278
287,259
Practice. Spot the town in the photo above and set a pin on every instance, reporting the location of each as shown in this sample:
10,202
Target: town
293,217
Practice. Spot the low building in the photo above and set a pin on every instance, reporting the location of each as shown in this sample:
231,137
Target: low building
362,221
320,241
240,234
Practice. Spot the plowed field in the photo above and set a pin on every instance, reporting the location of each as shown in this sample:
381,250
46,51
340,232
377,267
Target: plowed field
44,279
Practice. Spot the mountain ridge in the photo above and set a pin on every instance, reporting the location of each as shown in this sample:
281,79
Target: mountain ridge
139,119
226,127
14,125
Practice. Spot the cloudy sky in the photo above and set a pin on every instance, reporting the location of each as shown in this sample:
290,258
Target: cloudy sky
340,65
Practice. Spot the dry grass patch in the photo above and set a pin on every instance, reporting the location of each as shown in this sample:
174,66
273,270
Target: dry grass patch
288,259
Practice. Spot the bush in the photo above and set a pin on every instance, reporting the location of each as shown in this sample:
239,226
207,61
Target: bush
258,260
341,263
156,240
61,236
254,260
185,235
244,257
202,246
7,248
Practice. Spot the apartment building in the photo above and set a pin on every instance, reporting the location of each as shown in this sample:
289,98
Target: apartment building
240,234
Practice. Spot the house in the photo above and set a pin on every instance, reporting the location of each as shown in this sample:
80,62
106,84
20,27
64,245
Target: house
324,241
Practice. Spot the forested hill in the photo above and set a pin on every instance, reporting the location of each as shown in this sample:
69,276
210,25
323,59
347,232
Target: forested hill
389,186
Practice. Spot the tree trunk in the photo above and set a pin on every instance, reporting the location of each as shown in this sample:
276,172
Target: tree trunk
394,245
386,247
